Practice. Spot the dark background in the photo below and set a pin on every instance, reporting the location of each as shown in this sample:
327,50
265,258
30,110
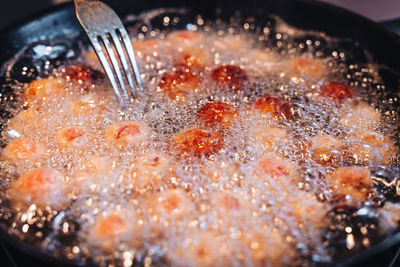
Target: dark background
13,10
377,10
387,11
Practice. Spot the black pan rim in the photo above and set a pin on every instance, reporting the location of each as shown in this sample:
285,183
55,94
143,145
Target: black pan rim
17,26
67,8
33,251
359,17
33,17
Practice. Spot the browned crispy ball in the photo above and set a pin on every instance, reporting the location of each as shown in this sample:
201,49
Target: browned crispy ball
229,77
309,67
42,187
354,181
273,106
39,90
83,75
176,84
336,91
198,141
217,113
191,58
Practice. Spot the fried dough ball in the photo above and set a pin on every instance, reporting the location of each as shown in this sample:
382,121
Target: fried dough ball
273,107
374,139
377,140
92,60
127,133
231,205
307,66
231,42
30,115
39,90
151,168
198,142
184,38
83,77
270,137
23,149
336,91
360,153
82,74
76,136
267,247
144,47
261,62
98,164
326,141
307,211
88,104
83,106
390,215
326,149
327,156
192,58
202,248
353,181
217,114
172,203
229,77
361,117
178,84
277,168
93,170
111,229
42,187
219,170
27,120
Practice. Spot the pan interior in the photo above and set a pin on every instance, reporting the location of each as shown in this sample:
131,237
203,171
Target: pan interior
351,228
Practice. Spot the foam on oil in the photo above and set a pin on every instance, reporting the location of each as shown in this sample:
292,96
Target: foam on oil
278,222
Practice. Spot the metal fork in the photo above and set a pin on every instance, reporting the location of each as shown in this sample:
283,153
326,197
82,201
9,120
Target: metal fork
108,35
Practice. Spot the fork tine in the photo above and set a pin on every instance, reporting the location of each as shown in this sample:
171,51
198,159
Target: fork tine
131,54
115,65
121,54
106,32
103,60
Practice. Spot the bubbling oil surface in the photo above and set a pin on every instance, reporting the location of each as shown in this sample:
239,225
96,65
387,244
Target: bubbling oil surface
222,213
